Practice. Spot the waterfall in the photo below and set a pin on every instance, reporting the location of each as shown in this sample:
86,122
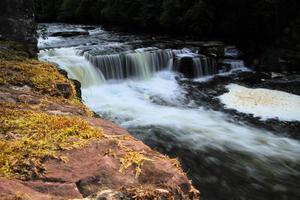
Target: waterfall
235,64
198,70
140,63
75,65
195,65
143,62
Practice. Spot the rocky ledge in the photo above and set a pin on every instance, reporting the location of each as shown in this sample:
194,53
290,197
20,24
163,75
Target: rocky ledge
52,147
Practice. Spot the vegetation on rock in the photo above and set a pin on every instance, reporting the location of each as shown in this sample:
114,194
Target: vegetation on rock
135,159
28,137
41,76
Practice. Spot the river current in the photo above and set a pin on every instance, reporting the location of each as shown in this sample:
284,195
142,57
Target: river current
132,81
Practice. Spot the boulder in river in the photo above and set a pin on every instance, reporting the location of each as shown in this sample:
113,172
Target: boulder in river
69,33
185,65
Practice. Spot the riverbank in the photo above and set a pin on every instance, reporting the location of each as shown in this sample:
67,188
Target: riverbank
53,147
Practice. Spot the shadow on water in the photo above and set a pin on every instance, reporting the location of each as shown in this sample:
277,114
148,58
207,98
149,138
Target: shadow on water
226,173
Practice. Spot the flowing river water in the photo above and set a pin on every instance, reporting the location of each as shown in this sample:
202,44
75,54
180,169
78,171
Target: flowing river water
132,81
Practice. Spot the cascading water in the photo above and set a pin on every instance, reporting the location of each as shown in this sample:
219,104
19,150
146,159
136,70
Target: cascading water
235,64
226,159
77,67
144,62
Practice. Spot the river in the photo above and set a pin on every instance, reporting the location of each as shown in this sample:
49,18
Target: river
132,81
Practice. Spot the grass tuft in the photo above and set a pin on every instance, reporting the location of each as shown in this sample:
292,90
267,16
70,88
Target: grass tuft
135,159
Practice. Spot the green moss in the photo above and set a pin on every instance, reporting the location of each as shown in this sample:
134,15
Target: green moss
135,159
27,138
12,51
2,81
42,77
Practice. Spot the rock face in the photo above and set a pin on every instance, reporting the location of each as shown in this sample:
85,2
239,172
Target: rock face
64,152
109,165
17,23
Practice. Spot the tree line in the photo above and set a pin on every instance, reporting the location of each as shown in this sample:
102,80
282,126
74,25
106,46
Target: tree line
239,20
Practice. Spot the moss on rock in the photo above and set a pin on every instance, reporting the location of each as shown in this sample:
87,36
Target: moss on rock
28,137
42,77
12,51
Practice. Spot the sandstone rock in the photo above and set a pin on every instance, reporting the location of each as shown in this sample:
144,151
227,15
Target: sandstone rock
113,166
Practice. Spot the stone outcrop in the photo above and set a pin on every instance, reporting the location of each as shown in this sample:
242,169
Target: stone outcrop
92,158
17,23
52,147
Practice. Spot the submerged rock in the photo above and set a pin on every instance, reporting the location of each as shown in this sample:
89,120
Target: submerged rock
185,65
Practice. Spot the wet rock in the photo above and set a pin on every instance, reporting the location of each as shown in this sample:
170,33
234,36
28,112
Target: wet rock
65,88
88,28
62,71
69,33
284,83
185,65
77,85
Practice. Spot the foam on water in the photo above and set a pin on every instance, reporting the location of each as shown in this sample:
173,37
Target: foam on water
129,103
262,103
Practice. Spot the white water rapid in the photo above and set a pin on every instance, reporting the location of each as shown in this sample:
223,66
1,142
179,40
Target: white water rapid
138,90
